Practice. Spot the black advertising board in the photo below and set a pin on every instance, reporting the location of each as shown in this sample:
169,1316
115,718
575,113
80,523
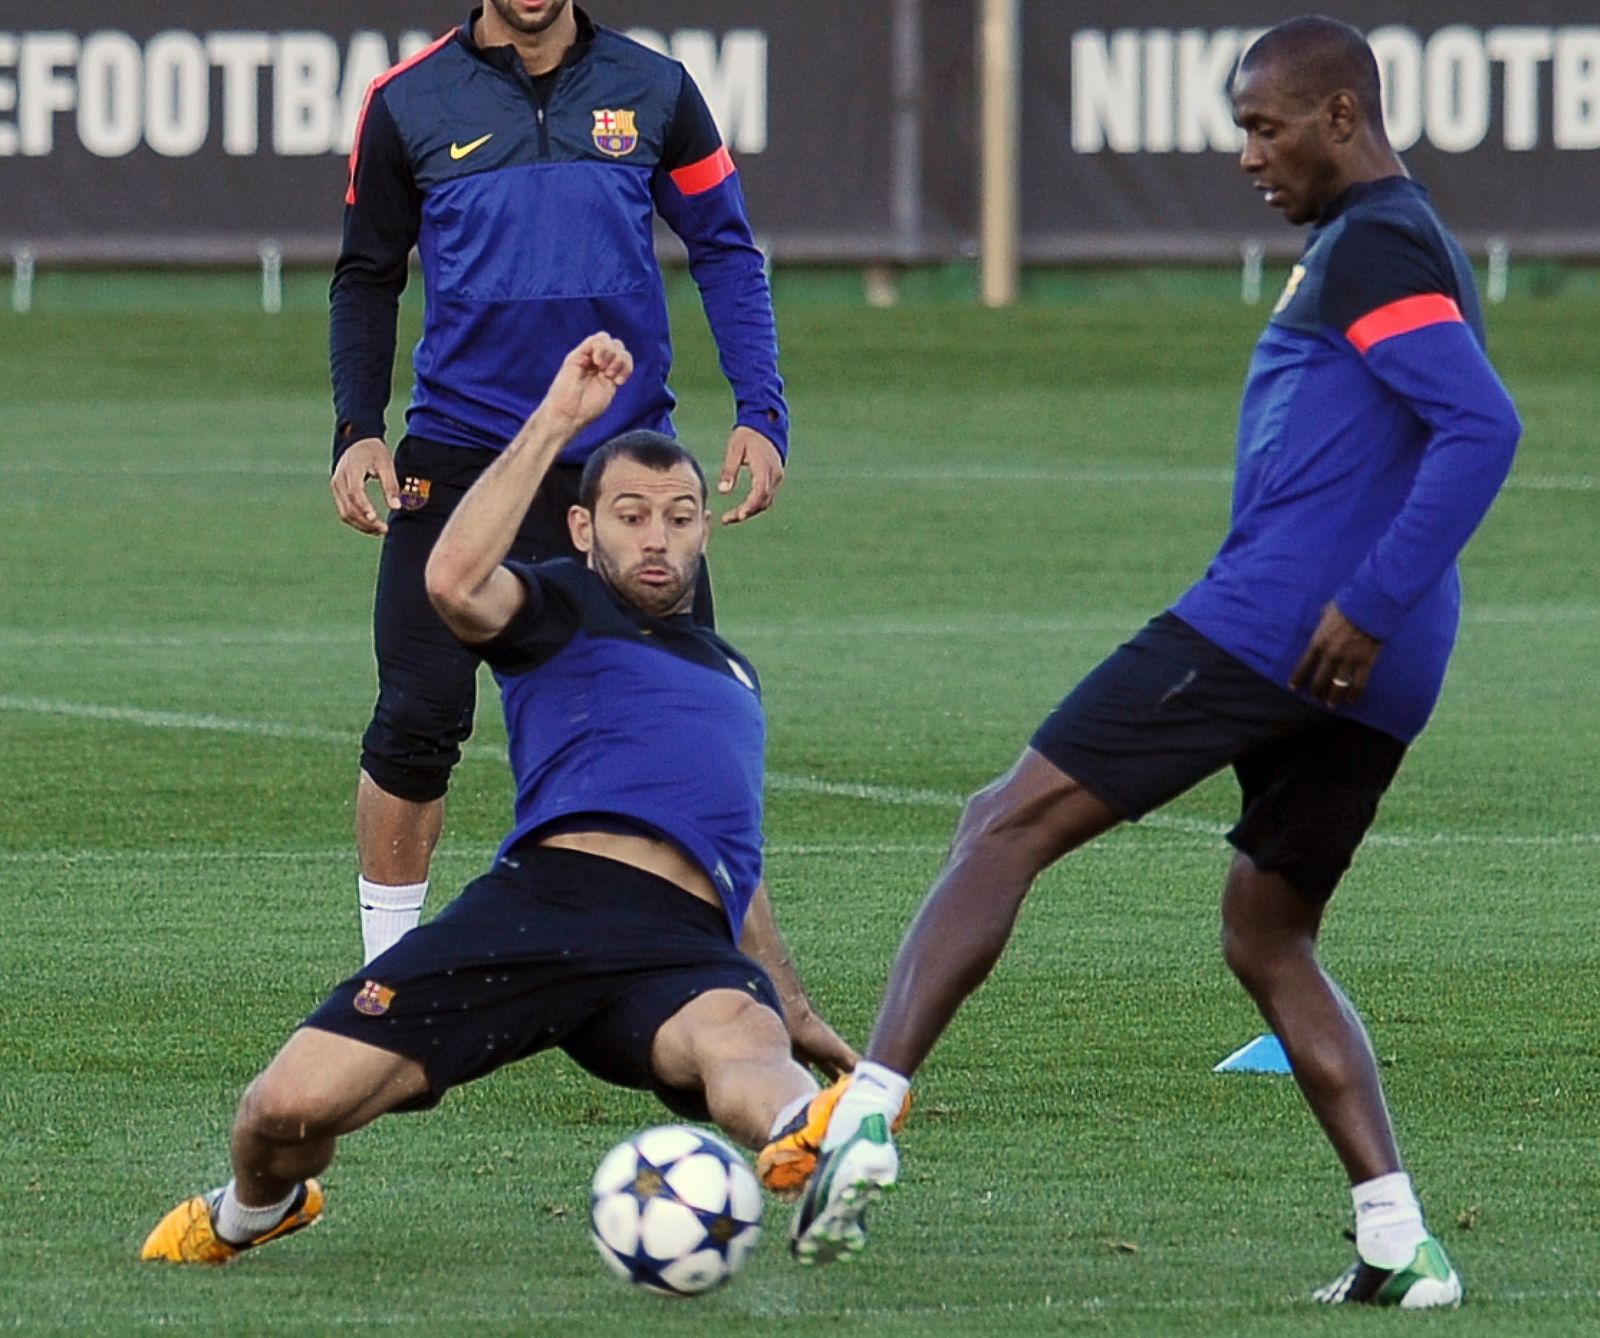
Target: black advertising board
176,129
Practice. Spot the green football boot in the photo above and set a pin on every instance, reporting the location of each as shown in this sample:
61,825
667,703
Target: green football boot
830,1223
1428,1282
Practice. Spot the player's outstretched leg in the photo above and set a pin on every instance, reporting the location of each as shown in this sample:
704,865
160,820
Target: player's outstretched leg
189,1234
319,1087
1428,1282
830,1224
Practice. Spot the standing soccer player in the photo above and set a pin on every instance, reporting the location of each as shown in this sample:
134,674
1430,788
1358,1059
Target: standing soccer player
525,156
1373,436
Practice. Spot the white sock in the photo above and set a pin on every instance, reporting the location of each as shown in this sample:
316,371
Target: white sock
788,1113
873,1090
1388,1220
236,1224
388,913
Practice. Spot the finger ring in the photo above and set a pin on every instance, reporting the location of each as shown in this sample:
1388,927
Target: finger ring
1341,682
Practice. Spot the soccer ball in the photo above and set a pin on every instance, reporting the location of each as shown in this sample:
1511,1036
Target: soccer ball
675,1210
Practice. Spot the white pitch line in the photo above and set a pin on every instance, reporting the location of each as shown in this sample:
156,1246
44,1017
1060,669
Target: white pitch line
1082,475
481,854
177,720
900,796
849,625
1113,475
311,470
131,640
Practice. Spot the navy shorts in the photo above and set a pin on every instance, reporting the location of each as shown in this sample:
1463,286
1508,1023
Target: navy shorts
427,679
1169,709
550,950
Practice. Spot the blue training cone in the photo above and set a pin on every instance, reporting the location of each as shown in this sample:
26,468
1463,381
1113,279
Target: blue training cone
1262,1055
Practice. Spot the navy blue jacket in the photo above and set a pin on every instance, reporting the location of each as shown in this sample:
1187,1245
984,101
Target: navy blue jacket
1373,436
531,203
657,721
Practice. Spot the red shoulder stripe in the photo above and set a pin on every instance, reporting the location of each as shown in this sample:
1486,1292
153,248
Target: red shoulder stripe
1402,317
697,178
366,102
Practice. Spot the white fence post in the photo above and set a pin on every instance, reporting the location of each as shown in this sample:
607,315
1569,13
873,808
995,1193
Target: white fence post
1252,255
271,278
1499,269
22,280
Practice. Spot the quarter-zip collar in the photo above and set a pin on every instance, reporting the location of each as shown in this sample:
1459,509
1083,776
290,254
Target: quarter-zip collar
1366,190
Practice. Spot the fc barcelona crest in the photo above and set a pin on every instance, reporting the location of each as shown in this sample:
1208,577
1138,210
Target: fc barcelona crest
615,134
374,999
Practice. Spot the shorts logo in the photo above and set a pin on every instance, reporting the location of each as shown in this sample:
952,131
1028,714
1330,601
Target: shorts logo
615,134
374,999
414,496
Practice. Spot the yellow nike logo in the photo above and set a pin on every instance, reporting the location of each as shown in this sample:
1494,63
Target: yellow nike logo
460,151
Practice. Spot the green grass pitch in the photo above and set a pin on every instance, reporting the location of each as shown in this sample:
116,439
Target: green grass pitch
981,506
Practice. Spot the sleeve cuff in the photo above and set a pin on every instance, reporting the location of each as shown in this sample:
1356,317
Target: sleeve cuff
1373,612
773,424
346,434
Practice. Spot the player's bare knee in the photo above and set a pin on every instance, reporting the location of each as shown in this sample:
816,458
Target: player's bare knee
277,1109
1239,951
991,823
716,1029
1260,956
747,1030
1268,925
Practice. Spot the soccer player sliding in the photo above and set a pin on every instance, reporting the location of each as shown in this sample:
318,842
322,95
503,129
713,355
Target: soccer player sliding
623,920
1373,437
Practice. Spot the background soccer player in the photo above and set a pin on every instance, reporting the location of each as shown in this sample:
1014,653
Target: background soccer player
525,156
1373,437
608,924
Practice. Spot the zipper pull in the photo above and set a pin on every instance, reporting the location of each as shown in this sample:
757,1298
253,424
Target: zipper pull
540,114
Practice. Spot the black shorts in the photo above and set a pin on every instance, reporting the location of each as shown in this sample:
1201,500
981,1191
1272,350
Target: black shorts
1169,708
427,679
551,949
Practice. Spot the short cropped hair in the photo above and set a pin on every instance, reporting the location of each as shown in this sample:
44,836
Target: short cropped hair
1317,56
653,450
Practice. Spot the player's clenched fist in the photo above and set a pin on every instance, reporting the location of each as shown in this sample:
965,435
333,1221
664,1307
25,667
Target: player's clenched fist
588,380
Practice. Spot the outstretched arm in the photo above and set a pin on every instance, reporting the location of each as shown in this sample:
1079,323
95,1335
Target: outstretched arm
814,1041
473,593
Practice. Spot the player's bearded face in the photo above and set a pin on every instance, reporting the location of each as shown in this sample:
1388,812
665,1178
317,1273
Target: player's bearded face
655,583
647,535
529,16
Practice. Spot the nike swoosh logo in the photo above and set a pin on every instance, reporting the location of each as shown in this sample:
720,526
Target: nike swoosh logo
460,151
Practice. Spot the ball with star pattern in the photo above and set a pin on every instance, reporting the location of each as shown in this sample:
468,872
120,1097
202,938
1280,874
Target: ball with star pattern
675,1210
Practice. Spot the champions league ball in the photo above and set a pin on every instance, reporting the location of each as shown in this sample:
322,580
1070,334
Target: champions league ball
675,1210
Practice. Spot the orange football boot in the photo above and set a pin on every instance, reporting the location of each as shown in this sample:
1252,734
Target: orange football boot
186,1235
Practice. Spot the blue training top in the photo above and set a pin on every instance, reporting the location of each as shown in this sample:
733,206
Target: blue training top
532,204
654,721
1373,436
